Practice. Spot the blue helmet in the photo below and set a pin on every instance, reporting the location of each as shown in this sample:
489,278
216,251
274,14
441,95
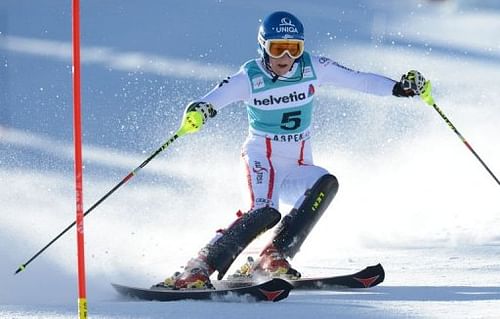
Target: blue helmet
280,25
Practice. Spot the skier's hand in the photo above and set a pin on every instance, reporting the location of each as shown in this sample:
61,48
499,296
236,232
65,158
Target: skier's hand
195,116
411,84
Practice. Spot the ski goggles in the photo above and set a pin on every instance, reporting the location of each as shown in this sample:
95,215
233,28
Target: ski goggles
277,48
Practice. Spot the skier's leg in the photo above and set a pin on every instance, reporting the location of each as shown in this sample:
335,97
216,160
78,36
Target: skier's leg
219,254
296,226
230,242
261,174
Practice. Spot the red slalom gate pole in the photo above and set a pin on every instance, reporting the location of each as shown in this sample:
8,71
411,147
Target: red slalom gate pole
77,128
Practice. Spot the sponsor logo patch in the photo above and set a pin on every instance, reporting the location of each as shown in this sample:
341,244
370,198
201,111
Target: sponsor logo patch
292,97
259,172
311,90
308,73
286,26
258,82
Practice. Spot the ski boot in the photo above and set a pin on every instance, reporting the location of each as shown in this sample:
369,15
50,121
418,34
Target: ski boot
246,270
196,275
274,264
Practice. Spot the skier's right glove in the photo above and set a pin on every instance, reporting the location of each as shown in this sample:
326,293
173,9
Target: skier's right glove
195,116
411,84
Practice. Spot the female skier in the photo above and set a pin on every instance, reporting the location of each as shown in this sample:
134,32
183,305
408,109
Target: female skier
278,89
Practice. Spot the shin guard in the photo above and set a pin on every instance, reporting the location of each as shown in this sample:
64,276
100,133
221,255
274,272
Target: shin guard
295,226
230,242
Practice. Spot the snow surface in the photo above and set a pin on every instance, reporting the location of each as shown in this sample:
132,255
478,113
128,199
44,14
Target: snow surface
412,196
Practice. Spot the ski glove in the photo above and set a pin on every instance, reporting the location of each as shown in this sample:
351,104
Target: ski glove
195,116
411,84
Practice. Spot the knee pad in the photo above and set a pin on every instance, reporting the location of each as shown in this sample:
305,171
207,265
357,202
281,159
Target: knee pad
224,249
296,226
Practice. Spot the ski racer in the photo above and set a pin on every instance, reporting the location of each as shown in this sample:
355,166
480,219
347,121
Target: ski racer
278,89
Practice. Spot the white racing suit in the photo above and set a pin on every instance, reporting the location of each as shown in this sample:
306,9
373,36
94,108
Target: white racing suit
277,153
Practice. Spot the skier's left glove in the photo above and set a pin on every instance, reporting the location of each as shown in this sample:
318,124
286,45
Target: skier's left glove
411,84
195,116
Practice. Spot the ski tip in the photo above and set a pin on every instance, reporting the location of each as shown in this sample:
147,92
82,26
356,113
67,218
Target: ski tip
275,289
377,266
371,276
279,282
381,271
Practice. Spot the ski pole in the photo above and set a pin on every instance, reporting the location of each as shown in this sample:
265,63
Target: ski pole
427,97
192,122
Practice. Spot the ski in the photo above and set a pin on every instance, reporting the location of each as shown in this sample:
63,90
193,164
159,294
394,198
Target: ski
271,290
366,278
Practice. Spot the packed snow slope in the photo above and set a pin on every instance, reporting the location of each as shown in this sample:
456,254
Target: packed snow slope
412,196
